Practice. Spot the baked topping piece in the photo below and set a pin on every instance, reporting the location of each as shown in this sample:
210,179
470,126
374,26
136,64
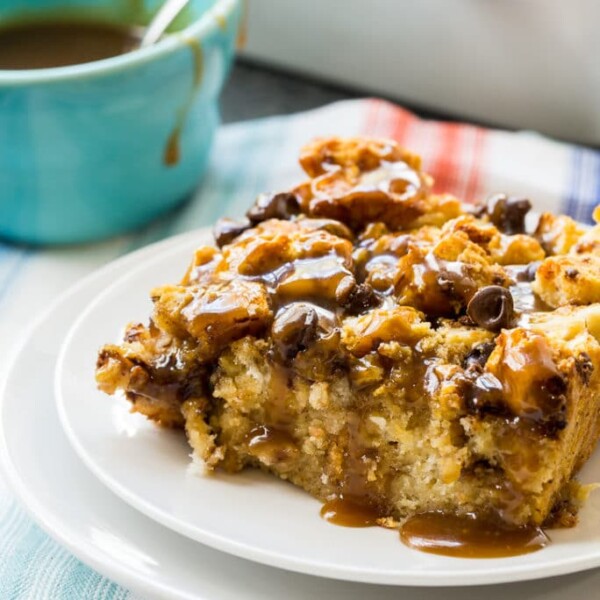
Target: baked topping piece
371,341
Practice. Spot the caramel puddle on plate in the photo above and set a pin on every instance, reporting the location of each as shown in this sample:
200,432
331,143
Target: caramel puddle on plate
347,513
449,535
172,151
466,536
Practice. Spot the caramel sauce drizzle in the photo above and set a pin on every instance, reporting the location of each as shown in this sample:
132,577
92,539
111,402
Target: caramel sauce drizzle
390,177
526,300
270,445
172,151
444,281
242,36
349,513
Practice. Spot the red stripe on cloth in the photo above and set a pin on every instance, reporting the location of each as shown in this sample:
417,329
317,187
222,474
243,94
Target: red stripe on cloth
402,122
374,106
385,119
473,187
445,165
453,153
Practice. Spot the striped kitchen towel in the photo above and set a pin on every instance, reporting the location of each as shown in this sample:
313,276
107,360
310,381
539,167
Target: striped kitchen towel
250,157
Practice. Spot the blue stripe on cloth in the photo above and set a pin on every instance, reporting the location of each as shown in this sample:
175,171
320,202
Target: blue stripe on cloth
571,199
40,569
584,184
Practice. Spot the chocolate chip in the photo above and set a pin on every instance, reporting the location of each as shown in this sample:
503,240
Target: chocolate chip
484,395
507,213
274,206
466,321
528,273
552,427
226,230
193,385
571,273
554,387
361,298
294,329
492,308
551,399
434,322
584,366
478,356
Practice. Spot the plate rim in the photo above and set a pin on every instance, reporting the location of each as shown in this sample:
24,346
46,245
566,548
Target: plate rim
441,578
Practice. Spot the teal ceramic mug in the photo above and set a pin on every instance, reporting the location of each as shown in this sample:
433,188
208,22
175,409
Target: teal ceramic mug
91,150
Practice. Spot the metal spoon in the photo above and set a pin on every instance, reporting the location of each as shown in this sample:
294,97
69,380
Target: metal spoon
161,20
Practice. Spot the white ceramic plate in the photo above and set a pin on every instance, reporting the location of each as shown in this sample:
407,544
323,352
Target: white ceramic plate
251,514
71,505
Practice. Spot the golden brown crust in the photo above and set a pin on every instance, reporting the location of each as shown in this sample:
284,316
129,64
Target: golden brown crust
358,180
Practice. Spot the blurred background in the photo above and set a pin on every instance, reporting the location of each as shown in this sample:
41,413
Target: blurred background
517,64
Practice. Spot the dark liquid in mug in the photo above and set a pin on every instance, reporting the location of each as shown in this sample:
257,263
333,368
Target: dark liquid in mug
62,42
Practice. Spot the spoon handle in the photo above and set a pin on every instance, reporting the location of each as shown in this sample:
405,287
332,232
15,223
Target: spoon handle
161,20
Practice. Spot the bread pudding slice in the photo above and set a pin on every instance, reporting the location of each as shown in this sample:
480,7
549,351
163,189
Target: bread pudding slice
366,339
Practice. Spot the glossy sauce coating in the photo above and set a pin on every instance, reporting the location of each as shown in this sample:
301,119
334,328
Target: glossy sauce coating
59,43
348,513
470,537
271,445
172,150
242,36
